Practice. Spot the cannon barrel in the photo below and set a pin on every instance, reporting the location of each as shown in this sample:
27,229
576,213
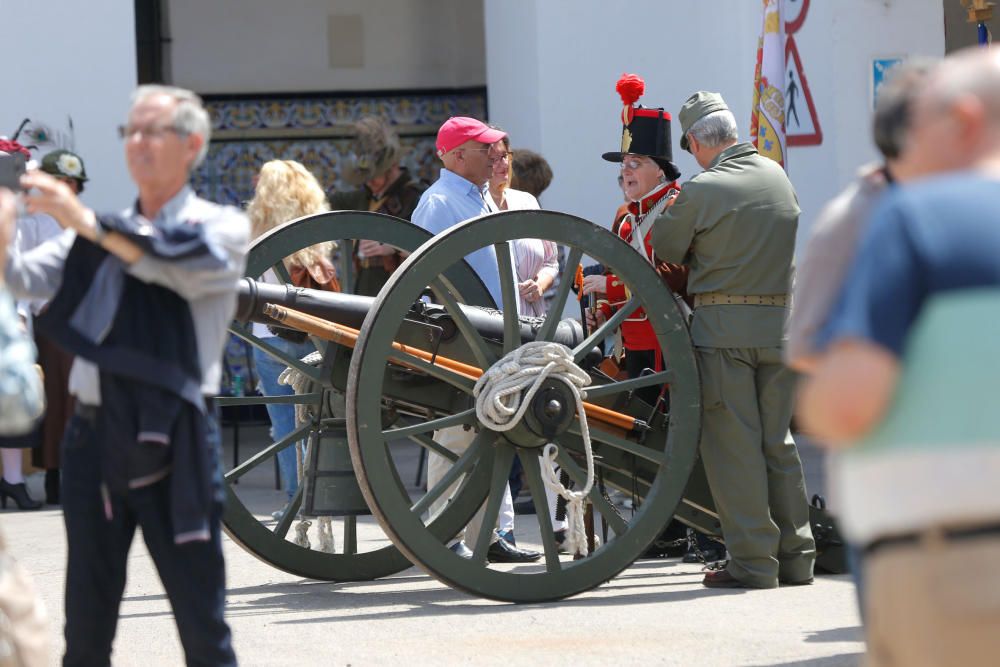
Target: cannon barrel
350,310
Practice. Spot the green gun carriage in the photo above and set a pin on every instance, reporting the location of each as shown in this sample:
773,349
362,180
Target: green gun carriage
393,369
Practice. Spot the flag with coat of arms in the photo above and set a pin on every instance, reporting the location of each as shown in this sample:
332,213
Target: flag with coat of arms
767,121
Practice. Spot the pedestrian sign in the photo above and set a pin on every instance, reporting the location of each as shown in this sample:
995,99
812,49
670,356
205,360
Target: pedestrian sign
802,126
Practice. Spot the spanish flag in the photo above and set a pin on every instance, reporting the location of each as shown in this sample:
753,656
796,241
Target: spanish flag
767,121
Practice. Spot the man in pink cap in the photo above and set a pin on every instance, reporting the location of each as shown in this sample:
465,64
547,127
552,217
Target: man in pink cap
468,148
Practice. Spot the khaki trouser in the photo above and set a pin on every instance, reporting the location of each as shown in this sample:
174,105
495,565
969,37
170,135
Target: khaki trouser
457,439
933,603
752,465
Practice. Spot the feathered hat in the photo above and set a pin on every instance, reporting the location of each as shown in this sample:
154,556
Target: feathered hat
644,131
376,148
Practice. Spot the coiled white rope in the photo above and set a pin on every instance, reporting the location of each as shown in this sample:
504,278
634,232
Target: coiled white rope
503,394
300,385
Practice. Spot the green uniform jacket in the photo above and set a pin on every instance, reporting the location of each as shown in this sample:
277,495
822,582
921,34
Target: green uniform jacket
735,225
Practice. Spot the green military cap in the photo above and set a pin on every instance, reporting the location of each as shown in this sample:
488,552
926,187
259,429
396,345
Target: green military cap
697,107
64,163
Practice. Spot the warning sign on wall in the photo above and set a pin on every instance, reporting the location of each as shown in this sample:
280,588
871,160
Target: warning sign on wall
802,126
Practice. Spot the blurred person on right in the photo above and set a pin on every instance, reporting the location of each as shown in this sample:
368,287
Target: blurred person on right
834,240
905,385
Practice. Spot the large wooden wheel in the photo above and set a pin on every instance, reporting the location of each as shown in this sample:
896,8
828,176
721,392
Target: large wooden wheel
653,465
362,554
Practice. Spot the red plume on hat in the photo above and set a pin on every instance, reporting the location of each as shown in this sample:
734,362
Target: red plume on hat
630,87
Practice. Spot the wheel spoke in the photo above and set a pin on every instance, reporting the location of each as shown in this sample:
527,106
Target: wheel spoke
290,399
307,370
346,265
461,382
267,452
662,377
282,272
508,287
603,331
548,329
460,467
503,457
291,511
605,508
464,417
427,442
612,440
350,535
532,470
484,355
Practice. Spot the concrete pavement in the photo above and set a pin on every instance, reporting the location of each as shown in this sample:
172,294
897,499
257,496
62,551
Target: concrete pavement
654,613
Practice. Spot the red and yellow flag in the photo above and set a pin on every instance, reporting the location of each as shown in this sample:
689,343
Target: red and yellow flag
767,121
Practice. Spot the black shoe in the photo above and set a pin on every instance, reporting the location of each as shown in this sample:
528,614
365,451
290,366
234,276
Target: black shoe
709,555
502,552
507,535
52,486
19,492
461,550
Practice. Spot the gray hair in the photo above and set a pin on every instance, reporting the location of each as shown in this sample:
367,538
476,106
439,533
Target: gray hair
894,108
190,116
973,71
715,129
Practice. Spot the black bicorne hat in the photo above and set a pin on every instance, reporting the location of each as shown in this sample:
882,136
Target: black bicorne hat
644,131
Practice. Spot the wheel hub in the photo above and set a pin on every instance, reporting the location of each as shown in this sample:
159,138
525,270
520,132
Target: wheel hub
552,410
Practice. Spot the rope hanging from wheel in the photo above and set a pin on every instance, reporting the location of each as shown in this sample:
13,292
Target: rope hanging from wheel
300,385
503,394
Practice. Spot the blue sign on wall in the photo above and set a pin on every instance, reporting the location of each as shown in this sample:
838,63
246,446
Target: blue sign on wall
881,70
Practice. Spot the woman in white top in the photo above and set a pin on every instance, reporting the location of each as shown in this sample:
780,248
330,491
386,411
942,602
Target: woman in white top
535,261
286,190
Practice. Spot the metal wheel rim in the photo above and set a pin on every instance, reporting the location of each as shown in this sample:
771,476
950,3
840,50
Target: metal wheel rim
423,545
238,522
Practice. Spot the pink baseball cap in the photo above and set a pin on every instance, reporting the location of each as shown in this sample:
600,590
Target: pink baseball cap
458,129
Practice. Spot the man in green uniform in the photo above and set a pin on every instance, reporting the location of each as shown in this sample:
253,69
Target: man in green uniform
734,225
385,187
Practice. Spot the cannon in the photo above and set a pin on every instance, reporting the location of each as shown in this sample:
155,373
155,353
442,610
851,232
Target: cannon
406,364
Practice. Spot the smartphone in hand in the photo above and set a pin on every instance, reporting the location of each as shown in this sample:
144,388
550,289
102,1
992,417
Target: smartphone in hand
11,169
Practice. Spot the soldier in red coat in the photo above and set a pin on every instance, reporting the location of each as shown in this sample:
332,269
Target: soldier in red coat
649,180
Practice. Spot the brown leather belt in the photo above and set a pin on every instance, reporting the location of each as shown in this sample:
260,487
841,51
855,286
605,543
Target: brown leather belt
719,299
949,535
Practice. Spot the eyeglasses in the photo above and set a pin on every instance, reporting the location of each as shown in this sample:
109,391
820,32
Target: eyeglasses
149,132
504,157
632,164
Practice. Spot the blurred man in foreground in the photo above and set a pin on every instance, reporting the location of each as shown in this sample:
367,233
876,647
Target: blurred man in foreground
907,383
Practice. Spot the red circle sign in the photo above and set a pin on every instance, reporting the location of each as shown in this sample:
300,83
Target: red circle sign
795,14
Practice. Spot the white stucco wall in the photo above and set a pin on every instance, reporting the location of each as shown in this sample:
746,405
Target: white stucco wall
52,69
555,91
250,46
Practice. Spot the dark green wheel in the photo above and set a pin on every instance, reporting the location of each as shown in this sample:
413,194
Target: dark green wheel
363,552
653,465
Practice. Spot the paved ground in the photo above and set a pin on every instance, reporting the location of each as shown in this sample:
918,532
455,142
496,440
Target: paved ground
655,613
